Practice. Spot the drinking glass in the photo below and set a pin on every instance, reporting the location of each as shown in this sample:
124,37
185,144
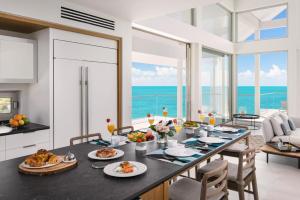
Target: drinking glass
201,117
178,125
111,127
165,113
212,120
150,119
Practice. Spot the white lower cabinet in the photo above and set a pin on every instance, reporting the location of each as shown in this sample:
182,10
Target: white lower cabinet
23,144
25,150
2,148
2,155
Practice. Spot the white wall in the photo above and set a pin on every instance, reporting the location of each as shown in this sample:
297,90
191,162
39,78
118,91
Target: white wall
50,11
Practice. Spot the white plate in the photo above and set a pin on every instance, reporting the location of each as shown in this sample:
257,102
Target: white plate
180,152
45,166
227,129
5,129
92,155
211,140
111,169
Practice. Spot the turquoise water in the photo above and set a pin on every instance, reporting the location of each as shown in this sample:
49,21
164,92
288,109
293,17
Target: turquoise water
151,99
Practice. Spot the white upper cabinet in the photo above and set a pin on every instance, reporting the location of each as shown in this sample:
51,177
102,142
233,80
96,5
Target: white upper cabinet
17,60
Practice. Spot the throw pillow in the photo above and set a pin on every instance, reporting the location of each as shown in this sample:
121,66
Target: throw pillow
285,129
292,125
276,122
285,119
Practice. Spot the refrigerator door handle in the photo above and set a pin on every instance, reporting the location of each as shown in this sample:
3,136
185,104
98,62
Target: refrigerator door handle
87,99
81,101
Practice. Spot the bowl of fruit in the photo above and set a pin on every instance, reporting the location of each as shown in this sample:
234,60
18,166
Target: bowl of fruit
141,139
19,120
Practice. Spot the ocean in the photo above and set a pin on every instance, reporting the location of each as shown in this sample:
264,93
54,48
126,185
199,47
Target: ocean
151,99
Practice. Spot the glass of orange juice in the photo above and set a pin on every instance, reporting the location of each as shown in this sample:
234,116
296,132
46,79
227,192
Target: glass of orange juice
212,119
110,126
150,119
165,112
201,116
178,123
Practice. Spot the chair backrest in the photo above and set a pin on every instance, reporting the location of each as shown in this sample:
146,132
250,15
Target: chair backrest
246,163
120,130
214,182
84,137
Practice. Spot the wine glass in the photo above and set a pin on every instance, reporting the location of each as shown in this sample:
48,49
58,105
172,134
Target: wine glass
111,127
201,116
212,120
178,123
150,119
165,113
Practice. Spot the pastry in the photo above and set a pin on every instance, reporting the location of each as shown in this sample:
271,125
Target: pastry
106,153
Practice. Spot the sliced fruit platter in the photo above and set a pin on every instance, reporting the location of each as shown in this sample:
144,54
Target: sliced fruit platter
139,137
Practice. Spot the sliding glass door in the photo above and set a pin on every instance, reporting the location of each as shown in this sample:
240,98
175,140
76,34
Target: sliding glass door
215,83
158,77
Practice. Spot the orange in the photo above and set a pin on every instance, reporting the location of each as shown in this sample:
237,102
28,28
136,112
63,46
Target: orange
24,116
15,123
18,117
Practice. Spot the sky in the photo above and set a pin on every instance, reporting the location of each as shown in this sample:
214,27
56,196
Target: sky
273,70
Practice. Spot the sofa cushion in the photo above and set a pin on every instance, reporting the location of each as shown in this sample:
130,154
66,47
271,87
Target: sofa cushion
276,122
286,130
285,122
294,138
292,124
267,130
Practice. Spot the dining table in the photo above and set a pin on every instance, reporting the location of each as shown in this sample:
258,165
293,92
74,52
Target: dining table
85,182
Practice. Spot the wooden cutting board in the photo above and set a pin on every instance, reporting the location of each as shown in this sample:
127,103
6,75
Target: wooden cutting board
61,167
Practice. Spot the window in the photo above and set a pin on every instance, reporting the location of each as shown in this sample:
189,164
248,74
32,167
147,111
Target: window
273,81
183,16
245,84
262,83
5,105
215,86
158,76
217,20
263,24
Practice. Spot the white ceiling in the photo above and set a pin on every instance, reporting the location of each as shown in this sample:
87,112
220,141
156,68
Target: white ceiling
135,10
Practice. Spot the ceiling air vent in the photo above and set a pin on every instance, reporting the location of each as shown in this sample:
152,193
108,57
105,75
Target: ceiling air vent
86,18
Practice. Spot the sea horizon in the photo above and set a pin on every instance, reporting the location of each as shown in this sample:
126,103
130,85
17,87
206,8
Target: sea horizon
151,99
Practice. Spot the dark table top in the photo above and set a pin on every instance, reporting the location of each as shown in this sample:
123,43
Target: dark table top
84,182
31,127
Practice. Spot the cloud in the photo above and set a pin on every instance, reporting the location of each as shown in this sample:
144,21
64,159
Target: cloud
273,77
157,76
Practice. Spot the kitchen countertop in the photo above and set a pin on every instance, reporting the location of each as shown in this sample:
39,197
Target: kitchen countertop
31,127
84,182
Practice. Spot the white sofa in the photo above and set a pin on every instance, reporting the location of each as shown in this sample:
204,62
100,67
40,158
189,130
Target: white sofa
270,135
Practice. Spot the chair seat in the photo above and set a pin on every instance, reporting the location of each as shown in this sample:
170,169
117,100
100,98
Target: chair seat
188,189
233,171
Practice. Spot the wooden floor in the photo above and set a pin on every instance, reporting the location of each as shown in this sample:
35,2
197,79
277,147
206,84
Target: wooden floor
278,180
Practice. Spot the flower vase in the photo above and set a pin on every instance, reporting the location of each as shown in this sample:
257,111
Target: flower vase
162,138
142,146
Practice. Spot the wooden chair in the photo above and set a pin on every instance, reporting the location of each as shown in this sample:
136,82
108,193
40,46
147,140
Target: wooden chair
213,185
239,175
119,131
237,148
84,137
